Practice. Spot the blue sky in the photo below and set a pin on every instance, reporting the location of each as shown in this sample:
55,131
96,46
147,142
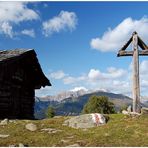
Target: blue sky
77,42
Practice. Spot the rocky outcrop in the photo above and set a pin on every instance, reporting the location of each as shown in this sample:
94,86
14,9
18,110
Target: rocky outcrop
86,121
4,122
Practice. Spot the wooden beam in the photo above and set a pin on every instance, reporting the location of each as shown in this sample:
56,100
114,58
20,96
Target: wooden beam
127,44
130,53
124,53
143,52
136,87
142,44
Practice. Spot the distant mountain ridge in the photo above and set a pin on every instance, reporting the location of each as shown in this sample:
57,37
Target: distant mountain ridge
74,101
67,94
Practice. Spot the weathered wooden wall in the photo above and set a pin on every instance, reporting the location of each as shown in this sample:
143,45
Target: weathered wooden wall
16,91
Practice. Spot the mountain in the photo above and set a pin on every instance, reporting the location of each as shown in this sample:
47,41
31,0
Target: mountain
74,105
41,106
74,101
66,94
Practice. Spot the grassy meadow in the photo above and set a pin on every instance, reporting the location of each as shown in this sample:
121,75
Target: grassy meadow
120,130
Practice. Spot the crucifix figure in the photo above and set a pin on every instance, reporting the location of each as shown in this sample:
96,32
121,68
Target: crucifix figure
136,41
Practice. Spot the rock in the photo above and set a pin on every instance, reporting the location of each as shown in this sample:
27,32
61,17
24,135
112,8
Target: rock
125,112
12,121
144,110
86,121
4,136
4,122
18,145
51,130
64,141
129,109
70,137
74,145
21,145
134,113
31,127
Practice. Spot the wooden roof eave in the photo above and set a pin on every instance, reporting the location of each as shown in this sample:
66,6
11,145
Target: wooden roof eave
43,81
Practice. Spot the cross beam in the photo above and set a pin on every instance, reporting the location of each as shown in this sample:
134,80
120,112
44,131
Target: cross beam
136,40
130,53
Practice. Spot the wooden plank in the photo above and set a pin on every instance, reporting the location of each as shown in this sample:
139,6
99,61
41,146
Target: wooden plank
124,53
143,52
142,44
127,44
136,87
130,53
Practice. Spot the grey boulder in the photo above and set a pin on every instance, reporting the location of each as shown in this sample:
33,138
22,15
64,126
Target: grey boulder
31,127
86,121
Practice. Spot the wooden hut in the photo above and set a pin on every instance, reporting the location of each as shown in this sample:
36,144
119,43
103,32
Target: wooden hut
20,75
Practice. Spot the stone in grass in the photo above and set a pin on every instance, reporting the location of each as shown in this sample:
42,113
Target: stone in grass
21,145
4,122
74,145
18,145
125,112
4,136
144,110
86,121
31,127
51,130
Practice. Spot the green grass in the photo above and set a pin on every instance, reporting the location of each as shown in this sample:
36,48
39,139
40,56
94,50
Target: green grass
119,131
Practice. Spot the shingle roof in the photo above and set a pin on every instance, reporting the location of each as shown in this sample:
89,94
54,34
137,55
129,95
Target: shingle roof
6,54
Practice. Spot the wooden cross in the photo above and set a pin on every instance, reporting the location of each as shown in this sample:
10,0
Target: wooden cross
136,40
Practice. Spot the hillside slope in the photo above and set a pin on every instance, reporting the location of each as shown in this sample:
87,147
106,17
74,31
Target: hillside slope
74,105
119,131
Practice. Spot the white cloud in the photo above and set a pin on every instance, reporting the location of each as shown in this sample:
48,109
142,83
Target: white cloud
115,73
43,91
114,39
16,12
78,89
111,73
73,80
29,32
94,74
6,28
12,13
58,74
114,80
144,67
69,80
64,21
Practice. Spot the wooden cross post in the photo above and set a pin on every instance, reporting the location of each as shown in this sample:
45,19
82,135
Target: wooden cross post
135,39
136,85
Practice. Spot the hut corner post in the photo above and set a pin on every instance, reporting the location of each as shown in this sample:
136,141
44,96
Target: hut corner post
136,86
